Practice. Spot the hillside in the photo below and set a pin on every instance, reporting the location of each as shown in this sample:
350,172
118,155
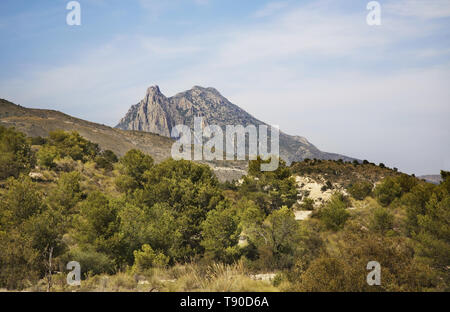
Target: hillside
39,122
343,173
136,225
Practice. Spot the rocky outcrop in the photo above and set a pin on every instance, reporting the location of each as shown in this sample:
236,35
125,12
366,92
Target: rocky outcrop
157,113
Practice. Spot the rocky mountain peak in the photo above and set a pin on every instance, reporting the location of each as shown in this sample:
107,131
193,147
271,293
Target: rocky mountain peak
153,90
153,94
159,114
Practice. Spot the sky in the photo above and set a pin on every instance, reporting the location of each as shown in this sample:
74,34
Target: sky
315,68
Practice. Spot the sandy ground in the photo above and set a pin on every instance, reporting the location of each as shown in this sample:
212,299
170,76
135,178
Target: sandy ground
314,189
302,214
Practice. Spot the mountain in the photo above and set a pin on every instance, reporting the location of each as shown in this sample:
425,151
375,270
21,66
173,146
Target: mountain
39,122
432,178
157,113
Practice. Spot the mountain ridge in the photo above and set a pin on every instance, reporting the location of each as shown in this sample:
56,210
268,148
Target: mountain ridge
157,113
39,122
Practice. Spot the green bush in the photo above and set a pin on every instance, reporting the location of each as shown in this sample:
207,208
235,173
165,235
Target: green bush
220,232
388,190
360,190
15,153
334,214
67,193
134,164
46,156
91,261
382,220
73,144
38,140
146,258
105,160
307,204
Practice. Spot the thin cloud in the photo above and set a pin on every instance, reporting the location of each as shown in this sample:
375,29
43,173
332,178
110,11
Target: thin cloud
271,8
424,9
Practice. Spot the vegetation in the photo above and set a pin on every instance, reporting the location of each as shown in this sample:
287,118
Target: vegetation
15,153
134,224
360,189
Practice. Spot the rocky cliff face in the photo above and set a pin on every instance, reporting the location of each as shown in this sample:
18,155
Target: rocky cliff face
157,113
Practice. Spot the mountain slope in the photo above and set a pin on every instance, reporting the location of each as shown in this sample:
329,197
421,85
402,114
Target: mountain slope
39,122
159,114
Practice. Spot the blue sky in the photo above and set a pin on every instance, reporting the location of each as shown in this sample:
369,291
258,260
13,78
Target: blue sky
315,68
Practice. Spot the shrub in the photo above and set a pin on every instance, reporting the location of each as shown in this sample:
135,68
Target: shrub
433,235
38,140
21,201
220,232
67,192
334,214
15,153
110,156
387,191
65,164
105,160
46,156
146,258
102,163
277,239
91,261
73,144
360,190
307,204
382,220
134,164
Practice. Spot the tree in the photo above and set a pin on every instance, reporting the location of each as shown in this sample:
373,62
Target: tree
360,190
45,232
272,189
134,164
147,258
72,144
189,190
387,191
334,214
21,201
434,233
221,232
28,230
105,160
382,220
18,261
67,192
15,153
276,238
415,202
307,204
346,270
406,182
46,156
97,225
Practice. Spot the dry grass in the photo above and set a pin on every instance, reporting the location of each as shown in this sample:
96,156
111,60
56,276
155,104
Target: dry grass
181,278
